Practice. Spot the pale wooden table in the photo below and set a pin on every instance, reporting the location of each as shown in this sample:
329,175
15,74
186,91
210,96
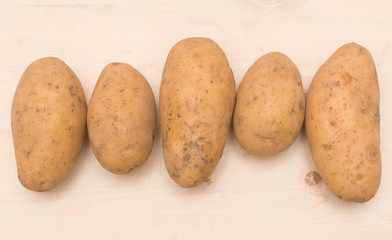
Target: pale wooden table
250,197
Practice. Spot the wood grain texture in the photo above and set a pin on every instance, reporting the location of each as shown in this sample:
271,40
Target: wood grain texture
250,197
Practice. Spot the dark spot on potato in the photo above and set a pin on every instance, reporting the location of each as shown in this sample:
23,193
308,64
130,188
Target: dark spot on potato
195,166
57,86
211,81
28,154
178,115
301,105
312,178
70,88
372,154
186,158
176,169
275,69
122,90
201,138
79,100
358,177
37,110
64,163
104,85
362,50
336,83
326,146
169,129
377,115
255,98
332,122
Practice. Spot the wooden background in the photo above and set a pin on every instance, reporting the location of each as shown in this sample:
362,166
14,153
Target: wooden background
251,197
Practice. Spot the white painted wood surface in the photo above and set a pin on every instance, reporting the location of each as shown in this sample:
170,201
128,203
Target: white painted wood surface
250,197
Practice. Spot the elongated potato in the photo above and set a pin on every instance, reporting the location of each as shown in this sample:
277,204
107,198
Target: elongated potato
343,123
270,107
196,98
121,118
48,120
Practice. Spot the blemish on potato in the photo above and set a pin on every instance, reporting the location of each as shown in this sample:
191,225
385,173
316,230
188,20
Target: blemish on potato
358,177
313,178
336,83
70,88
186,158
377,115
301,105
372,154
326,146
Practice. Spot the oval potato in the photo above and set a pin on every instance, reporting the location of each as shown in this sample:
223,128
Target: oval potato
48,119
196,99
343,123
121,118
270,106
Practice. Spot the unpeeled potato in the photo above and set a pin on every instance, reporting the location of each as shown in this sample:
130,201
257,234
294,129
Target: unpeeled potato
343,123
48,119
121,118
196,104
270,106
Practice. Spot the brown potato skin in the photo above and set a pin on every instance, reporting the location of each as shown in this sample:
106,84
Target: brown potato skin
343,123
196,98
48,119
270,107
121,118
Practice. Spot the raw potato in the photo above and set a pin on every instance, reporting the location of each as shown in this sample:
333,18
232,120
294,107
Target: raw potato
121,118
196,98
343,123
48,119
270,106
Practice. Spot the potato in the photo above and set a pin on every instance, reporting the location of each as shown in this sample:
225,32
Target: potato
343,123
48,119
121,118
270,106
196,103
